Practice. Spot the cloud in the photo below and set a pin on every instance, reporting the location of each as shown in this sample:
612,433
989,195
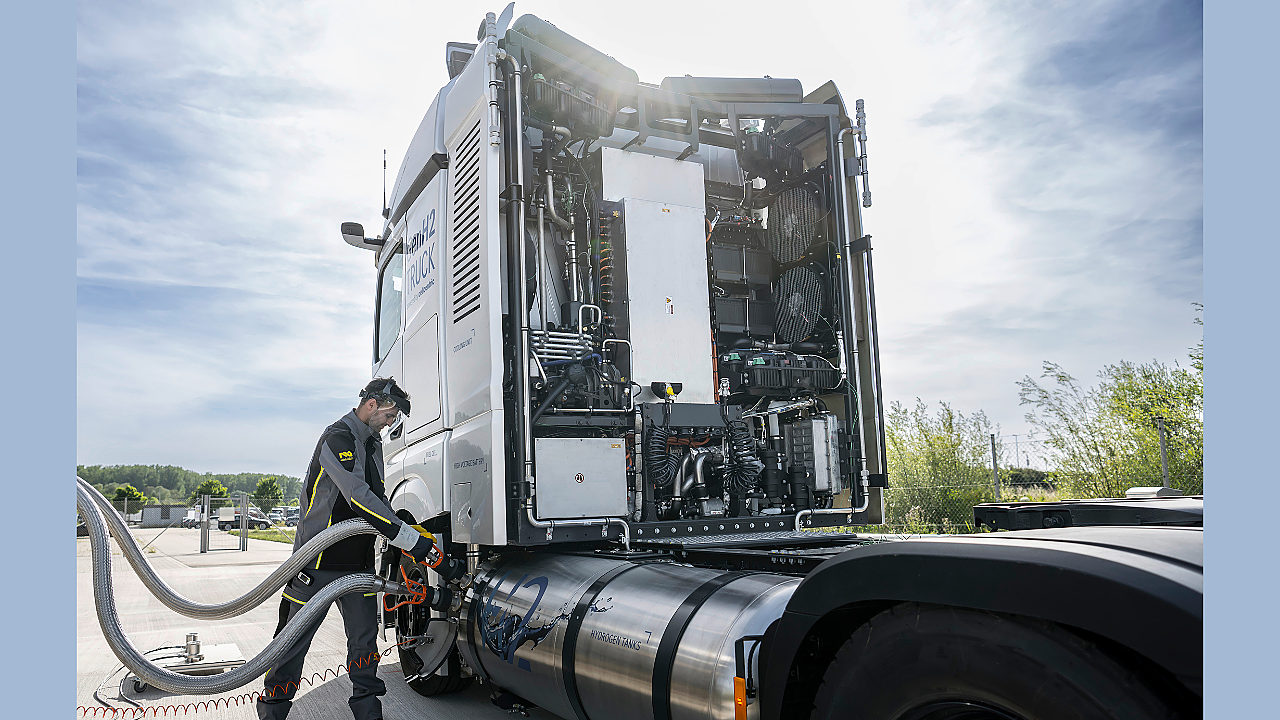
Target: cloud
1082,239
1035,169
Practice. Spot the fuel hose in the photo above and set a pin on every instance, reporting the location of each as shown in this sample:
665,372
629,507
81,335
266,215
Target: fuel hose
231,608
150,673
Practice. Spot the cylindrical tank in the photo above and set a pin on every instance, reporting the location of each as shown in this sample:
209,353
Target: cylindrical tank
610,639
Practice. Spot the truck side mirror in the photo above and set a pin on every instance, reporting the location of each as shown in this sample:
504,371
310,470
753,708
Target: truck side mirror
353,234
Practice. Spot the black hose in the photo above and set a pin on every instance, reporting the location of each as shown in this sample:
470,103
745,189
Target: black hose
551,397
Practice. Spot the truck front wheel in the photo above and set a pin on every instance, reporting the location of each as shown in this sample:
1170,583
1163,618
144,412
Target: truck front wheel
927,662
411,620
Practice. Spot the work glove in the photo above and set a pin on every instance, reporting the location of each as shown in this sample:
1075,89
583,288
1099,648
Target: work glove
422,548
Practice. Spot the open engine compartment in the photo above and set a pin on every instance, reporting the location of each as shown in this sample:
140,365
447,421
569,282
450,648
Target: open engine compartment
696,320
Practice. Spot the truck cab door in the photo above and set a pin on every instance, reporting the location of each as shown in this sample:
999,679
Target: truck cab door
388,329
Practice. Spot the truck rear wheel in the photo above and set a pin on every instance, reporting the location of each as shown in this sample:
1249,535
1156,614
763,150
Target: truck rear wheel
928,662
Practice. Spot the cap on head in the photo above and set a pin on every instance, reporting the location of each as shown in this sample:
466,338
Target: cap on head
386,390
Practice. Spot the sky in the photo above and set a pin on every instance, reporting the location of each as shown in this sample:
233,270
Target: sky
1035,171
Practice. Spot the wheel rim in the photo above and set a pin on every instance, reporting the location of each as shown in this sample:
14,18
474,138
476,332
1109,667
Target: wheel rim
411,620
957,710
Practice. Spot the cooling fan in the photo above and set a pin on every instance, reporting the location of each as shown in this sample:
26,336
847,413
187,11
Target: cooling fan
798,298
793,223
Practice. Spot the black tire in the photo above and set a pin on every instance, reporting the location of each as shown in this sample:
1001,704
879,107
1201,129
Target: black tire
411,620
929,662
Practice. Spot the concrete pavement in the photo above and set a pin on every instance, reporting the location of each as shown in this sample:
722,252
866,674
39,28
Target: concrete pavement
218,576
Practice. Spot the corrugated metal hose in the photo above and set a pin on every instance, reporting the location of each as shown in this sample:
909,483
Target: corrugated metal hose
88,501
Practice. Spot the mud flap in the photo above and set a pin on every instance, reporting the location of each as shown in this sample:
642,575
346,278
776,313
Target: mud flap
433,646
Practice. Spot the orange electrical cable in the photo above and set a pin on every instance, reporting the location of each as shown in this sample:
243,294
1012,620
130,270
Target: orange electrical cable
237,700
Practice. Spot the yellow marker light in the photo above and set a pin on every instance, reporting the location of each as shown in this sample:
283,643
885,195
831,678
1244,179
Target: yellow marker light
740,698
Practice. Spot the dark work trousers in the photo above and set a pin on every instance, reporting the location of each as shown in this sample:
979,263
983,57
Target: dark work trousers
360,616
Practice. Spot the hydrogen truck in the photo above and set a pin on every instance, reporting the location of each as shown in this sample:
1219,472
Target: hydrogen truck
638,325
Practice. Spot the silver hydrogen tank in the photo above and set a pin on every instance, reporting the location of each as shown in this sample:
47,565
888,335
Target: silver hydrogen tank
605,638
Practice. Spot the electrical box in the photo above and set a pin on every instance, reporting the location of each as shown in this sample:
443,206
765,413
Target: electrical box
581,477
666,300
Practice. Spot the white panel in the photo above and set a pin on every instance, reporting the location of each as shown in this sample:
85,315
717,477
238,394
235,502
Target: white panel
581,477
667,303
422,375
632,175
472,293
418,479
476,457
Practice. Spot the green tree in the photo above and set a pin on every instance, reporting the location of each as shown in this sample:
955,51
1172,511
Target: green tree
1105,439
939,465
210,487
129,499
268,494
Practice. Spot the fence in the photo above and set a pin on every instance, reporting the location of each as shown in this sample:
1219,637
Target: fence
948,508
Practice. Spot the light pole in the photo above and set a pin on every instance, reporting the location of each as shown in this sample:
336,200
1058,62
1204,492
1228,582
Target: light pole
1164,459
995,470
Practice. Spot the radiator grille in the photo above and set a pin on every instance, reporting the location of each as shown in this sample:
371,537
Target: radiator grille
464,222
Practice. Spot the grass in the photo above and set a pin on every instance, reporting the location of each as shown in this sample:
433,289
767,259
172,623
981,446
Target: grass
274,535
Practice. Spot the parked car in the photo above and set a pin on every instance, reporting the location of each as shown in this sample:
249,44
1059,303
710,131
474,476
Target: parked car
276,516
228,520
291,517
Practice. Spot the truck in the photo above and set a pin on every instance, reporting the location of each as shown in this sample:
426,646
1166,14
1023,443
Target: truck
637,322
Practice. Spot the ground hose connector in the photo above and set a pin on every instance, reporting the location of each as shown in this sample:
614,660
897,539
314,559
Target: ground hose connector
149,672
231,608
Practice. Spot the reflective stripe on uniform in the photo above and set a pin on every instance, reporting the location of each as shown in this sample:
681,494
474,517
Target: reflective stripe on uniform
300,602
313,493
326,526
371,512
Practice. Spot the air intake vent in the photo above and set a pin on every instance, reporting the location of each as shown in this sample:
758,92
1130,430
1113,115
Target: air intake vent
464,224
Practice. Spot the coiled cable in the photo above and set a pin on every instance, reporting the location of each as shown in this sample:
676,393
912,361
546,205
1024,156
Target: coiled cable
660,464
231,608
742,466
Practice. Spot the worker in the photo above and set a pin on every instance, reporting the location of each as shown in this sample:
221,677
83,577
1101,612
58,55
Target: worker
344,481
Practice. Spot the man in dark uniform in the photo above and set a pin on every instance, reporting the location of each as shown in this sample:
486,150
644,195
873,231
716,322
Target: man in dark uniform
344,481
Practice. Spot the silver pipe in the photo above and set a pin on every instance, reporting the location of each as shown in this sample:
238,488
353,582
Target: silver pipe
782,408
491,76
588,306
558,334
537,362
697,469
678,487
231,608
548,196
866,502
550,525
581,342
152,674
576,292
542,266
